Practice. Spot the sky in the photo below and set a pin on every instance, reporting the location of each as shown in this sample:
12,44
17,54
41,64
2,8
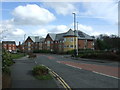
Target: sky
19,19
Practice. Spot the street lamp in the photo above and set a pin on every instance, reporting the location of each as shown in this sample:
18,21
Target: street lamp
74,33
74,21
24,43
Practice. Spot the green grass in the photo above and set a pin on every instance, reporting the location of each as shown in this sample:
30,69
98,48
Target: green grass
16,56
43,77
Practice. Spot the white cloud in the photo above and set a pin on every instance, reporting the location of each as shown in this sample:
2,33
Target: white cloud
10,32
85,28
41,32
103,10
63,8
32,14
18,32
58,28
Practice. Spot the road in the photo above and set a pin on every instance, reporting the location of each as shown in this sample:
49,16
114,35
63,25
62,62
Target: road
82,73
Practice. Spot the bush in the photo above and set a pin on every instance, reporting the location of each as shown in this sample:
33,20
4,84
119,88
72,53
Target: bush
107,56
42,51
41,72
6,61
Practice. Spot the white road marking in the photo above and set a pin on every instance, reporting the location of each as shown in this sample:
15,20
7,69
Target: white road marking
73,66
105,75
92,71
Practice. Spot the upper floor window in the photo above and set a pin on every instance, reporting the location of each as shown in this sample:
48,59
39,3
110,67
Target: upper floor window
71,46
48,42
71,39
64,39
29,44
51,41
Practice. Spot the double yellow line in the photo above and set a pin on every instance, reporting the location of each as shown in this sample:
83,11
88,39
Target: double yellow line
64,84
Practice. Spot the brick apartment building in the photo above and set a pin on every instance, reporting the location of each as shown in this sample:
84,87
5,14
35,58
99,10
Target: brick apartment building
68,41
32,43
61,42
9,45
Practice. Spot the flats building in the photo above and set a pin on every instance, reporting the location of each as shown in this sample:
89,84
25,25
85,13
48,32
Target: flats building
9,45
67,41
32,43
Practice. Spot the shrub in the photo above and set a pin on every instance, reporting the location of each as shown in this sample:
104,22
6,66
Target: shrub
6,61
107,56
42,51
41,72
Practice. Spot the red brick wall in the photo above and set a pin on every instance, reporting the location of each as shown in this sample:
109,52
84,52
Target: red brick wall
48,38
81,44
26,45
9,46
90,44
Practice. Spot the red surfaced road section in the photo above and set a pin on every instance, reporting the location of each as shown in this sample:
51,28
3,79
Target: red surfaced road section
50,57
108,70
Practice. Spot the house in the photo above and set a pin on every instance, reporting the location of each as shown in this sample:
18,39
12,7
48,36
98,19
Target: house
67,41
32,43
9,45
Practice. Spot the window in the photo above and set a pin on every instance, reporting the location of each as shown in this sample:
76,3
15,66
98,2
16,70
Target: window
64,39
71,46
71,39
64,46
29,49
48,42
29,44
9,48
13,48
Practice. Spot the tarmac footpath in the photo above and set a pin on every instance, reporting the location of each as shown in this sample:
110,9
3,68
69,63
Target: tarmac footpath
21,74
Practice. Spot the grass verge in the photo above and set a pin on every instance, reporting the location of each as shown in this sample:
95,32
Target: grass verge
43,77
16,56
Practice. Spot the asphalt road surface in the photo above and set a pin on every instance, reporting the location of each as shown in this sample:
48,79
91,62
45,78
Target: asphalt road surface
82,73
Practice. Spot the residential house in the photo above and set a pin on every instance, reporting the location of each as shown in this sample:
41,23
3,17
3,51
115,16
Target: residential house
9,45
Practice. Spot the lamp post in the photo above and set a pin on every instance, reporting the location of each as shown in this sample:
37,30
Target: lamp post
74,14
24,43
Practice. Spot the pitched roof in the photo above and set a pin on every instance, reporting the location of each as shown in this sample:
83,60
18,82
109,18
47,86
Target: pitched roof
70,33
78,33
35,38
52,36
60,36
42,39
8,42
82,35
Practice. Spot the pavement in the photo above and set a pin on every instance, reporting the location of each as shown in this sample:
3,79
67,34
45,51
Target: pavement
21,73
79,73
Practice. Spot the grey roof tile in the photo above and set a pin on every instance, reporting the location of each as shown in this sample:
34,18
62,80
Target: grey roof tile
35,38
52,36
